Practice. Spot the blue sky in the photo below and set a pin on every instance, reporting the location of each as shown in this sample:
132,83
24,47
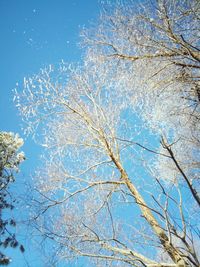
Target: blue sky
35,33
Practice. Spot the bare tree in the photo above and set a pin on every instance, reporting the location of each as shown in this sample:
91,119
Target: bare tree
155,51
121,133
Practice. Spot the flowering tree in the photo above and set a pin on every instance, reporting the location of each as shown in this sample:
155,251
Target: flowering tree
9,163
121,182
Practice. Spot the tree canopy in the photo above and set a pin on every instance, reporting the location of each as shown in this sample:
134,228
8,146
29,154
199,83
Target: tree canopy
120,184
10,160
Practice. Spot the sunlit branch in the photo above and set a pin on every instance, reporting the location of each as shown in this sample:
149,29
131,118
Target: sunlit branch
192,190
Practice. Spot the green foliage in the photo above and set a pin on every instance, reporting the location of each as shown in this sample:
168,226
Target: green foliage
9,163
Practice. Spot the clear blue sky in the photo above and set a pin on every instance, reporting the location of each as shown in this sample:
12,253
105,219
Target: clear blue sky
35,33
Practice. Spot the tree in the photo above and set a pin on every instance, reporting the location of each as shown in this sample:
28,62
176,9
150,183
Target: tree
162,38
9,164
121,182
